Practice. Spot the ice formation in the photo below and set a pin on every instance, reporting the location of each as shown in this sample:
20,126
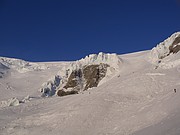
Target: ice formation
14,101
49,87
75,74
10,102
112,60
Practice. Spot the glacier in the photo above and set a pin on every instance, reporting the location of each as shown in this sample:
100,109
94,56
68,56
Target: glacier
131,94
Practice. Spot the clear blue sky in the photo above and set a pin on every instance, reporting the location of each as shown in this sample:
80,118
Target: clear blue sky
51,30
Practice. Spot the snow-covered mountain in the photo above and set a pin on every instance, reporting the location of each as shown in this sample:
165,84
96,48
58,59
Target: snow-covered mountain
130,94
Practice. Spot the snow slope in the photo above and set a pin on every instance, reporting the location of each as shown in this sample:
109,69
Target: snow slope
138,100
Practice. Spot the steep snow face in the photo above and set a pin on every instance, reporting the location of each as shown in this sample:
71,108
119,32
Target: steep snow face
166,47
21,65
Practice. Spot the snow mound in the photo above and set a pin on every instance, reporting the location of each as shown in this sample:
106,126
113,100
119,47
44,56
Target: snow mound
20,65
164,48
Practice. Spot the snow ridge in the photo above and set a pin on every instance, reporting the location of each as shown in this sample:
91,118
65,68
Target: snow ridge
163,49
21,65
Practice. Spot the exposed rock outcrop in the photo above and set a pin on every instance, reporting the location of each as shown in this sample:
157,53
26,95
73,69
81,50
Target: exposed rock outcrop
74,79
65,93
93,74
87,77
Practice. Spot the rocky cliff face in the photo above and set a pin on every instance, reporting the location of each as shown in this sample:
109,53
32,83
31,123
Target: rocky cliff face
82,74
93,74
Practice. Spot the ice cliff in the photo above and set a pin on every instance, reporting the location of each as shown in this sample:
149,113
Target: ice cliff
83,74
